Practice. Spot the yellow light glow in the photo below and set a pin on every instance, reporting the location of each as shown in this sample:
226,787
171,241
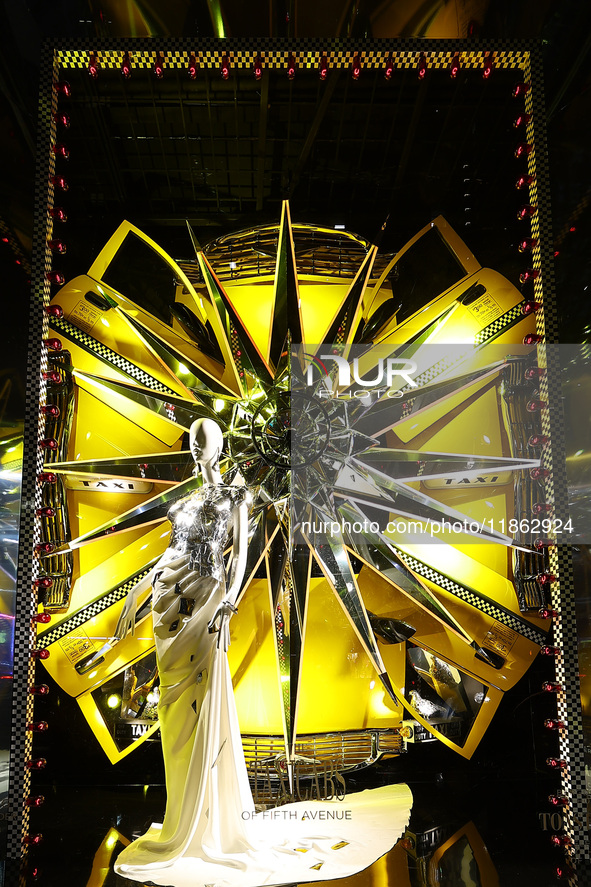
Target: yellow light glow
219,405
113,700
111,840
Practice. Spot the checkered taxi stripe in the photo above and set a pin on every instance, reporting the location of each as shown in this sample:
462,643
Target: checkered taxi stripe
475,600
275,53
116,594
501,324
65,328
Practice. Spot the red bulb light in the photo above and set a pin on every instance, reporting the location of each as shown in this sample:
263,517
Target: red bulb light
454,69
54,310
323,68
158,66
533,406
356,67
49,409
547,578
548,650
55,277
192,68
31,840
63,88
57,213
52,376
93,66
541,544
422,68
547,613
43,582
526,212
554,724
291,67
556,253
556,763
42,618
45,511
522,120
532,339
36,764
39,690
258,68
529,274
225,68
524,182
60,150
59,182
44,548
34,800
541,508
488,66
53,344
538,440
38,726
539,473
40,654
126,66
47,477
521,89
523,150
529,306
558,800
48,443
57,246
389,69
561,840
551,687
62,120
527,244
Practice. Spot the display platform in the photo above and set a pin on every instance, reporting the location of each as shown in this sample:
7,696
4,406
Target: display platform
339,258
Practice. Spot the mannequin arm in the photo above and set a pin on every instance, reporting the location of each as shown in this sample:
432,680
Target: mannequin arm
126,622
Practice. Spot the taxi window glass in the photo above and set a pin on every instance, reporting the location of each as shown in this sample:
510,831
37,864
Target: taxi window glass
141,274
424,271
447,698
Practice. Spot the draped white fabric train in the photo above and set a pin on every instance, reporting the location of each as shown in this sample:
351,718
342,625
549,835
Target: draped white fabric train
209,834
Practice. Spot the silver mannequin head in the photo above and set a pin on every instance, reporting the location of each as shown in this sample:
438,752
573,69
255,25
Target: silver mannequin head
206,442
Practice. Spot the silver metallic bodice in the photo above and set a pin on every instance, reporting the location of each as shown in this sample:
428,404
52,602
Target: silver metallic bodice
200,525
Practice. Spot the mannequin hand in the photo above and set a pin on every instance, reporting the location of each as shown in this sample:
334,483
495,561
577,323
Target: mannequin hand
126,621
220,622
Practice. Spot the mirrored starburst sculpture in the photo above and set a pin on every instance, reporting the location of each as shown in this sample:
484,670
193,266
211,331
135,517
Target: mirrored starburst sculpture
392,584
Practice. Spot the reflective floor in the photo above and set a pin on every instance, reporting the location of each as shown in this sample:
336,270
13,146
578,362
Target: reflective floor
473,824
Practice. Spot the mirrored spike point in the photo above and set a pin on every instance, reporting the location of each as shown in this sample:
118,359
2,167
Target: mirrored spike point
185,371
286,303
154,467
150,512
242,346
130,401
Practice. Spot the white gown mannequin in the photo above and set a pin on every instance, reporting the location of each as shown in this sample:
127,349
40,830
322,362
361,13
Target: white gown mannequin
210,835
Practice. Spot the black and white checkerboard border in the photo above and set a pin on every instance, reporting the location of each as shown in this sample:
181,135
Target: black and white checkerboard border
103,352
472,597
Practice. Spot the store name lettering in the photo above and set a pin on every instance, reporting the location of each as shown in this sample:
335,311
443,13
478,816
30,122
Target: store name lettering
323,784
